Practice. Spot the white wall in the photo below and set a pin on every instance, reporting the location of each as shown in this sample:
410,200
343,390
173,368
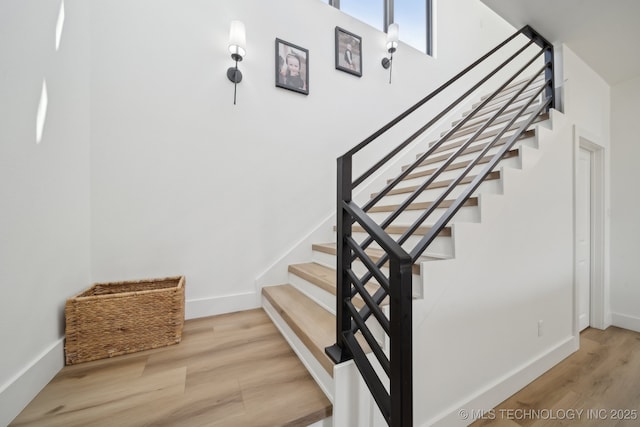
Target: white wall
587,96
587,104
476,338
625,228
44,189
184,182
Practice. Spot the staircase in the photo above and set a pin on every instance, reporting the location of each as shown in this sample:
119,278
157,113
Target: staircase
304,309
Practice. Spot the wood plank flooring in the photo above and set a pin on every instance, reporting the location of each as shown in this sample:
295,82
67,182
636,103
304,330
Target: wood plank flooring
229,370
237,370
599,385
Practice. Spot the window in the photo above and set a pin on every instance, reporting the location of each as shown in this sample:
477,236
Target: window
415,18
411,16
371,12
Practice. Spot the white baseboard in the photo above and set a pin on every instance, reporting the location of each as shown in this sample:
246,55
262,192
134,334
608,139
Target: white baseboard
212,306
624,321
504,387
16,393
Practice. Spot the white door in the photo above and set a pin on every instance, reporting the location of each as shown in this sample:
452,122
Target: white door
583,237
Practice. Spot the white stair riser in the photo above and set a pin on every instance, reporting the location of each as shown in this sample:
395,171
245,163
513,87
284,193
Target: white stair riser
324,298
441,247
324,258
327,422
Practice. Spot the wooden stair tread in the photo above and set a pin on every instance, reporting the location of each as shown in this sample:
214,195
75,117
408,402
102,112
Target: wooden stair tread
314,325
439,184
318,274
401,229
325,278
472,201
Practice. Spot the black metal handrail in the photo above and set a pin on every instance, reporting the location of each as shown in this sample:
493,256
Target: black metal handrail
389,267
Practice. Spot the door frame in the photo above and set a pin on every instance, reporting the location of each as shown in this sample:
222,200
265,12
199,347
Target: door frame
597,312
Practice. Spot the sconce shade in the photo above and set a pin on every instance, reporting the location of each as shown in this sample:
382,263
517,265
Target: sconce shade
392,45
392,37
237,40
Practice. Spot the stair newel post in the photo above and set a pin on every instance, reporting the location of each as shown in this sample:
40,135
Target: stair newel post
548,59
548,75
339,352
401,342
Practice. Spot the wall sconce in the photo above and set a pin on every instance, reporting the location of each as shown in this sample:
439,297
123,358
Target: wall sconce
237,47
392,45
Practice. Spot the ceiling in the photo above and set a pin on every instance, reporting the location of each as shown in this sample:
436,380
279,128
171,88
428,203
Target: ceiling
605,34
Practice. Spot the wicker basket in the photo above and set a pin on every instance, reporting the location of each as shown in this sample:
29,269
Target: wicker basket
110,319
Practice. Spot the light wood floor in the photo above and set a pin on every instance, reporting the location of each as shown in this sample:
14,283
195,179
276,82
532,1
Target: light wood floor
229,370
602,380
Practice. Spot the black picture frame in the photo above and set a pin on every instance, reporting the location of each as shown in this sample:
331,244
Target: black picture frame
348,52
287,55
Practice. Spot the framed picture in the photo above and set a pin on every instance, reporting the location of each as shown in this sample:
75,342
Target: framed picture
292,67
348,52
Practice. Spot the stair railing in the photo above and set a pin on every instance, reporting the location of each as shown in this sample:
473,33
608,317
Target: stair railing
387,371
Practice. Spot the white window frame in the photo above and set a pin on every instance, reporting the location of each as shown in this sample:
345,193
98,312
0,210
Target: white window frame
389,7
